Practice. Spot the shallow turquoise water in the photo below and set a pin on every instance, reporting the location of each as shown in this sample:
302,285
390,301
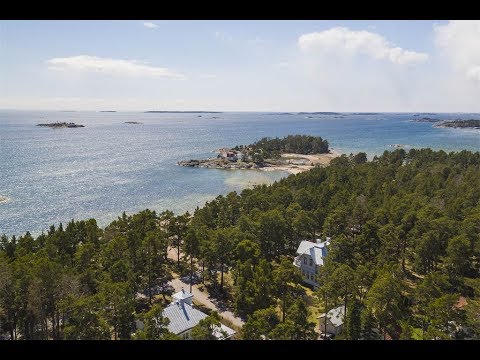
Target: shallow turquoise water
54,175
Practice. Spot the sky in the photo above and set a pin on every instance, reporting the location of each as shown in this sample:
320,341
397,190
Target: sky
139,65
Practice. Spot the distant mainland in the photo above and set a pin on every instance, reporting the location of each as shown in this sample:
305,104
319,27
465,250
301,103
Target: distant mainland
293,154
182,112
60,125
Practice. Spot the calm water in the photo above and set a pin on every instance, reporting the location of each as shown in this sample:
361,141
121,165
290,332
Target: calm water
54,175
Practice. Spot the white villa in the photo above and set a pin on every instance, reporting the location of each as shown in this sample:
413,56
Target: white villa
184,316
310,256
335,319
229,155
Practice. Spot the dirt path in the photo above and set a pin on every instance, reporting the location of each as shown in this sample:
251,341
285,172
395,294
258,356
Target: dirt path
203,296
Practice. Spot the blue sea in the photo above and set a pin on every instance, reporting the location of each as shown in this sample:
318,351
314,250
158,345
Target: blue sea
55,175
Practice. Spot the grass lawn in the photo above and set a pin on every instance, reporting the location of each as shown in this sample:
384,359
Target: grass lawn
313,306
417,334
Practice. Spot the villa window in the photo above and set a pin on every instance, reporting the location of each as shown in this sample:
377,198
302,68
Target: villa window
305,260
311,262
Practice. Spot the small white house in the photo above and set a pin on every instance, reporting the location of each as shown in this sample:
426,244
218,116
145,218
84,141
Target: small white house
229,155
335,319
310,256
184,317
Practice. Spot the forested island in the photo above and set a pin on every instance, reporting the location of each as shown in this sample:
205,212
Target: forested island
293,153
403,257
60,125
462,124
459,123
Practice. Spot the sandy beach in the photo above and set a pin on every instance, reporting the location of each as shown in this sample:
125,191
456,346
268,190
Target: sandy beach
309,161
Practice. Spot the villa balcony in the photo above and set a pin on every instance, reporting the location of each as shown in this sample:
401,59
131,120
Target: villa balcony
297,261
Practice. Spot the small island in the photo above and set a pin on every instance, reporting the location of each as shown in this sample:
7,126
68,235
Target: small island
459,124
4,199
456,124
133,122
294,154
60,125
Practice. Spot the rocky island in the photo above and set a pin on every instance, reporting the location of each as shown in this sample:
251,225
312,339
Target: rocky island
133,122
294,154
59,125
4,199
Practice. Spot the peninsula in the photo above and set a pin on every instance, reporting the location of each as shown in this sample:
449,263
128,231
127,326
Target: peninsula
294,154
59,125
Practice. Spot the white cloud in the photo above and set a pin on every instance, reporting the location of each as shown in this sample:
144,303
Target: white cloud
474,73
150,25
45,103
460,40
345,41
86,63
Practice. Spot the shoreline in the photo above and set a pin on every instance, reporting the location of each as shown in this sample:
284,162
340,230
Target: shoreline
290,163
311,161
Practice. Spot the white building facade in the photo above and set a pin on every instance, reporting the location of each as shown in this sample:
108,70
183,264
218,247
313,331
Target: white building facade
310,256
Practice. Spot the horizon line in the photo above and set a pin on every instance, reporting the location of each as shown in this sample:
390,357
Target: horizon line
246,111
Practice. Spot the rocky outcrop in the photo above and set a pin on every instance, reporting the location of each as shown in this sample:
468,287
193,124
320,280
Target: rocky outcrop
4,199
216,163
